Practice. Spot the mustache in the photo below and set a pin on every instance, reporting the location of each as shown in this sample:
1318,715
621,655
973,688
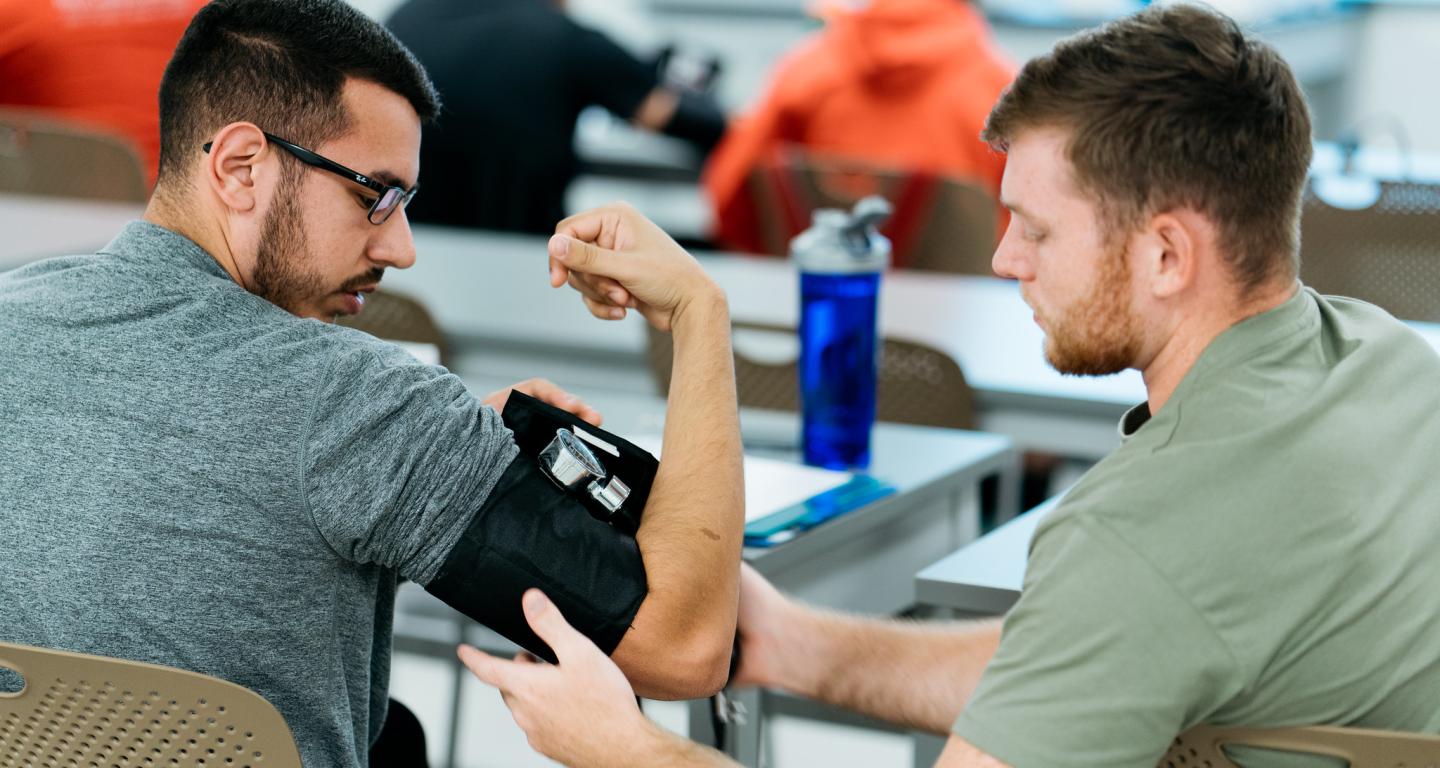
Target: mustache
372,277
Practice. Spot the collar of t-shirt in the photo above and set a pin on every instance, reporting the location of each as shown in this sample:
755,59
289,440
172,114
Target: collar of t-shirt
1236,343
154,246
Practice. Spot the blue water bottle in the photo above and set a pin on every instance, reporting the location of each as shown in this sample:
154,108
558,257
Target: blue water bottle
841,257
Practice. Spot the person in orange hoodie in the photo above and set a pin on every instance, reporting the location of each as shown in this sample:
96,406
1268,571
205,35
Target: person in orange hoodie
96,63
902,84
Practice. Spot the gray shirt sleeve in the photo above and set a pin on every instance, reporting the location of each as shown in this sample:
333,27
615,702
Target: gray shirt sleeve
397,458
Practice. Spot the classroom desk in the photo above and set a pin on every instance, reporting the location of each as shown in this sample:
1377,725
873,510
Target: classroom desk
980,322
488,291
863,561
984,577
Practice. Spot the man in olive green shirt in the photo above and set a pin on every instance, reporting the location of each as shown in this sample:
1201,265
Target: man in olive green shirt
1261,551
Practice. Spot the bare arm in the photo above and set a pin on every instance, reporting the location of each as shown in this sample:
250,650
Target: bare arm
918,675
690,534
960,753
655,111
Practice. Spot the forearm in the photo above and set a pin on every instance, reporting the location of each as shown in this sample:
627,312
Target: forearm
659,748
914,674
690,534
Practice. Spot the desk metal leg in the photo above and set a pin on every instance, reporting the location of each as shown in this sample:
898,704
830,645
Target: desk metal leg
742,740
452,747
1008,504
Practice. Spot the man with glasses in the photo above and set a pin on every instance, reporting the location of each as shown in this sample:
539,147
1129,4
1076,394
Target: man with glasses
200,471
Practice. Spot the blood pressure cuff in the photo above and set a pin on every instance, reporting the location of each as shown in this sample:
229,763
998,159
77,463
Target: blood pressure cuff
530,533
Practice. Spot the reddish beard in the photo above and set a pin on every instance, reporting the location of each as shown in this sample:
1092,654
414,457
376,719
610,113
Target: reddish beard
1096,335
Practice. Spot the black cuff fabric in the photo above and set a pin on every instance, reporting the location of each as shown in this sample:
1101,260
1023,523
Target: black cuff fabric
529,533
698,120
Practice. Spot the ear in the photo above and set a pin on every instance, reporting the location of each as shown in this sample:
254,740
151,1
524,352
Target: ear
1167,253
232,163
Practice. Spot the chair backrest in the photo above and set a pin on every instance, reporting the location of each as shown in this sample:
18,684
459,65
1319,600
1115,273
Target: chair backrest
397,317
44,156
1202,746
1387,254
940,224
76,709
916,384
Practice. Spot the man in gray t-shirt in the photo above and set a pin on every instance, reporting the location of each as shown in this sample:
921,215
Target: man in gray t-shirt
198,470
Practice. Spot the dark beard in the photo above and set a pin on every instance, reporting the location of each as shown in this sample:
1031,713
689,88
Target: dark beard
279,276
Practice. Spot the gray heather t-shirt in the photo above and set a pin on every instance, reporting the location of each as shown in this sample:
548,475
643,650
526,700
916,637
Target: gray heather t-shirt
191,476
1262,552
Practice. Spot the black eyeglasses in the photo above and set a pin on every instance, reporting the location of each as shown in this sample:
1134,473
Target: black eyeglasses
388,197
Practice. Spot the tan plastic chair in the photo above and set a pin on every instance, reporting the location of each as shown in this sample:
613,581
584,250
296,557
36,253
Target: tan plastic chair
1201,746
44,156
397,317
940,224
917,384
1387,254
85,710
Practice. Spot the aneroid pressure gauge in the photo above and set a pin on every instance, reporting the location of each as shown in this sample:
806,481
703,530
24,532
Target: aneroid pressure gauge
570,463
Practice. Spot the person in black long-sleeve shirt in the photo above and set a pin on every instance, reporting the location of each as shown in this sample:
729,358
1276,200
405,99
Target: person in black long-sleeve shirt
514,75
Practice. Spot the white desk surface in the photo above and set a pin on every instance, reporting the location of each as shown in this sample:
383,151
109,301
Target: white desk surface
985,576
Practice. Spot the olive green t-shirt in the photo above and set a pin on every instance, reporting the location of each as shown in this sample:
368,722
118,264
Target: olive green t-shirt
1264,551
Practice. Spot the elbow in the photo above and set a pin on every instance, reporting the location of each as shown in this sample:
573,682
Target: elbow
693,670
710,667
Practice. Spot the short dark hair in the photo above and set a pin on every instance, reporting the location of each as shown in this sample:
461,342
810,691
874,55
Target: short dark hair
1173,107
282,65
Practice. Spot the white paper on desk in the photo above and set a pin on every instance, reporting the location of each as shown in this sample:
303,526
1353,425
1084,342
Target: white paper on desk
771,484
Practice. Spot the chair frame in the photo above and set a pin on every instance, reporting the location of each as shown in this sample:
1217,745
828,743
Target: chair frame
1203,746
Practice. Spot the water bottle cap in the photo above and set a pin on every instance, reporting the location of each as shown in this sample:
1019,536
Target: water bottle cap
829,218
840,242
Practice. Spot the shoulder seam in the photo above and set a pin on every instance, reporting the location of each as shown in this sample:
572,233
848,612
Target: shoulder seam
1169,585
303,460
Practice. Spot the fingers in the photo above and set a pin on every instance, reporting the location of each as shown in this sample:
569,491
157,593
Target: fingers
550,626
589,287
490,670
604,311
550,393
601,289
605,226
558,273
581,256
587,225
603,297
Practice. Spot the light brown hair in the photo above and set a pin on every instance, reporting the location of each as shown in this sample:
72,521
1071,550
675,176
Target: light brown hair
1176,107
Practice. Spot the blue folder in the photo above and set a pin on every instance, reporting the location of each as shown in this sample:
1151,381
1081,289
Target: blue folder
779,527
